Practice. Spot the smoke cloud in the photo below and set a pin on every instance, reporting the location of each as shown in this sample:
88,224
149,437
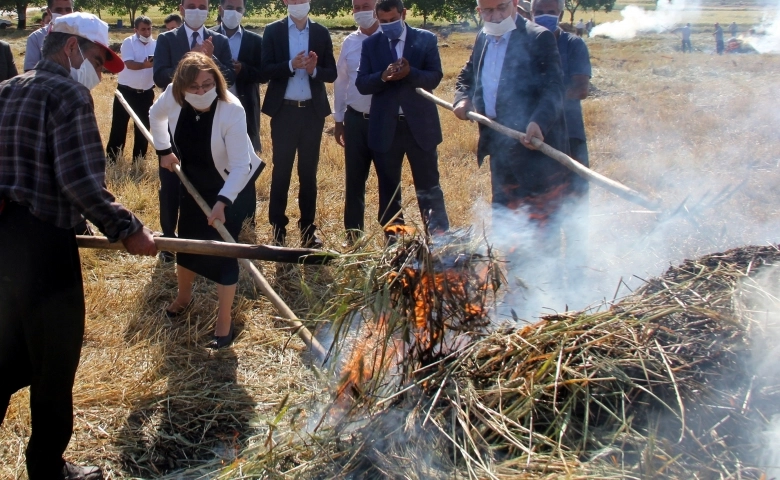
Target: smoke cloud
768,38
638,20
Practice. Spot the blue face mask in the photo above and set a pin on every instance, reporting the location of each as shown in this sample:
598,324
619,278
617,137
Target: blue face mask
393,30
550,22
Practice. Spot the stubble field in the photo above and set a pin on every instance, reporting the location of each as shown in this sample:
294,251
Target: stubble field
151,401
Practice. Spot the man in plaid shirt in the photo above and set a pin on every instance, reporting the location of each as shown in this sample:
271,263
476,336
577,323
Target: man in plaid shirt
52,171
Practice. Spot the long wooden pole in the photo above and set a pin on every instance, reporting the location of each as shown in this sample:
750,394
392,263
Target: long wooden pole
284,310
607,183
305,256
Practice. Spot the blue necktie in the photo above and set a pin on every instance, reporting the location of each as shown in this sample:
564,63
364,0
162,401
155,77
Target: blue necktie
194,40
393,44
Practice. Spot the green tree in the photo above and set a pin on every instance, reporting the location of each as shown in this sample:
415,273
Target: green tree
130,7
20,7
436,9
594,5
466,10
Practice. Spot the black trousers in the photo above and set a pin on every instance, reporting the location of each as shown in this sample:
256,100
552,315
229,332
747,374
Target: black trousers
169,201
41,330
425,173
295,130
357,165
141,101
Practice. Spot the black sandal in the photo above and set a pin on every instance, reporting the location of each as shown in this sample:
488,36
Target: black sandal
171,314
220,342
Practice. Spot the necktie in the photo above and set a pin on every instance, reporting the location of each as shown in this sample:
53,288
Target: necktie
194,40
393,51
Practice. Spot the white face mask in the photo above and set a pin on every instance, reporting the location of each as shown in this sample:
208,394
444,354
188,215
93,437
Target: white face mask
195,18
364,20
501,28
201,102
300,11
53,16
85,74
144,39
231,19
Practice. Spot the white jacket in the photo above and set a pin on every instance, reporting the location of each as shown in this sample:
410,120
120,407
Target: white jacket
234,156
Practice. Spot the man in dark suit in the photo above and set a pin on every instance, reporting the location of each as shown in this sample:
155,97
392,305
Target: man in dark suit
392,64
7,65
246,50
171,47
298,60
514,77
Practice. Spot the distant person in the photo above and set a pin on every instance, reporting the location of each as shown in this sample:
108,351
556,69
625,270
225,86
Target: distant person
208,125
351,112
524,9
686,38
580,28
733,29
172,22
171,47
45,18
393,64
589,26
298,60
719,46
136,84
32,53
575,63
7,65
52,172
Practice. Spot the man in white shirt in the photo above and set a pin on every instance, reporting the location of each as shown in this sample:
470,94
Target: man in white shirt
32,54
136,84
351,112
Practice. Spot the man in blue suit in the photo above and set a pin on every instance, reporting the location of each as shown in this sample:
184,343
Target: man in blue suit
392,65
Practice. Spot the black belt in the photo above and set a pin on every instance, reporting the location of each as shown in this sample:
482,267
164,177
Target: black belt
356,112
298,103
135,90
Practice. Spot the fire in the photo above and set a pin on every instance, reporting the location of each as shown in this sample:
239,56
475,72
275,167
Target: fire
542,207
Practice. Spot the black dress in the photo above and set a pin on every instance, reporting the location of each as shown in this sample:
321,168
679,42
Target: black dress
193,142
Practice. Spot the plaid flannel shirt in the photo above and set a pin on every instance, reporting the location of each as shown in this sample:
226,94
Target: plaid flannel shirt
51,153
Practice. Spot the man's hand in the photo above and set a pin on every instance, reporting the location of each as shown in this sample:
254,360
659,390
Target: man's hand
338,133
299,61
206,48
168,161
397,70
462,108
531,132
237,66
147,64
311,63
140,243
217,213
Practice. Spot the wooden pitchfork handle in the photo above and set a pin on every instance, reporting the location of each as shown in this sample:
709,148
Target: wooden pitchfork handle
604,182
284,311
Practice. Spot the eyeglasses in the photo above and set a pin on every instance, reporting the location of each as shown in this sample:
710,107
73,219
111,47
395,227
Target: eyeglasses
502,9
205,87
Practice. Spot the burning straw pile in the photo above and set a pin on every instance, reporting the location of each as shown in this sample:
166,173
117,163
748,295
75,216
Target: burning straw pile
662,384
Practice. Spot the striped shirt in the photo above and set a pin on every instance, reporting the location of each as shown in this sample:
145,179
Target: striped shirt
51,154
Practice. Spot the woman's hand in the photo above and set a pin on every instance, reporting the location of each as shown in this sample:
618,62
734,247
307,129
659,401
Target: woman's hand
217,213
168,161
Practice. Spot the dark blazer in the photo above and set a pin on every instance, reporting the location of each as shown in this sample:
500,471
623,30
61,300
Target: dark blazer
422,52
275,65
173,45
530,89
248,80
7,65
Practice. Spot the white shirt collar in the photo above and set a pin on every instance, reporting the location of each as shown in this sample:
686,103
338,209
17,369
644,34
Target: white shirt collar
291,23
189,32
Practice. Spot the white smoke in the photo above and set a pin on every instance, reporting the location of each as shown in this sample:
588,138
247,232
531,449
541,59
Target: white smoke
768,38
638,20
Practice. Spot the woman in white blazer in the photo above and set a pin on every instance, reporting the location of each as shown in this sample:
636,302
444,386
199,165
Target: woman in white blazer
198,124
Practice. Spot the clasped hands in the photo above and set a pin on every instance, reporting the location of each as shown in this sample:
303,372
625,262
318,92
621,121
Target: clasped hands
206,48
397,70
305,62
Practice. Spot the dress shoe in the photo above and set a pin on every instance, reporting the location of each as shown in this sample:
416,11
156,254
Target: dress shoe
74,472
171,314
220,342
